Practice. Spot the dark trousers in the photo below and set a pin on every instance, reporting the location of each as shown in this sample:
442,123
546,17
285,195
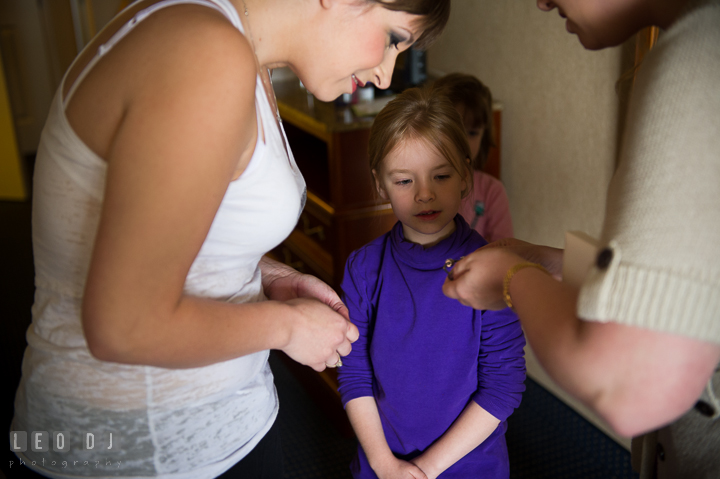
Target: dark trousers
263,462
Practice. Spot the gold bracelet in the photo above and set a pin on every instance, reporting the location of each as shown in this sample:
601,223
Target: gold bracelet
509,275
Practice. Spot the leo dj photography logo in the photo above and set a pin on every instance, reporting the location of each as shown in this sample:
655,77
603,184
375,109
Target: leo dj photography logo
61,442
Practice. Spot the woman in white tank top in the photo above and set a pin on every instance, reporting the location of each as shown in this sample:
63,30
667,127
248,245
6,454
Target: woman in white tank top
162,179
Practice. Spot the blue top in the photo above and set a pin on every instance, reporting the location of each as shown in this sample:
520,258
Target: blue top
424,356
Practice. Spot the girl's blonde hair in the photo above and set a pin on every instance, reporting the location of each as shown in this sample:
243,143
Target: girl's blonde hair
468,91
422,114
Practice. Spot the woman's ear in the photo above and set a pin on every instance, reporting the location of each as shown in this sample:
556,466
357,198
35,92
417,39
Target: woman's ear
378,186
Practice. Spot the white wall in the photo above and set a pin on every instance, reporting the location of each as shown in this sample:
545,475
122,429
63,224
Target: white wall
560,114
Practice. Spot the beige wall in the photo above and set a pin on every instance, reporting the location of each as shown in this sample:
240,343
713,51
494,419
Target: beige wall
560,111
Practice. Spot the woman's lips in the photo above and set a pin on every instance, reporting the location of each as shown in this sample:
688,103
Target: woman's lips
356,83
427,215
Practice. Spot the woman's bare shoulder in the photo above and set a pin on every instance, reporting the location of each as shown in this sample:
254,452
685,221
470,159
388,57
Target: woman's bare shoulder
188,43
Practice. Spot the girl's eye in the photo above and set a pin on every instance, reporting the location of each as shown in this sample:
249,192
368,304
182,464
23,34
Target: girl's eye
442,177
472,133
402,182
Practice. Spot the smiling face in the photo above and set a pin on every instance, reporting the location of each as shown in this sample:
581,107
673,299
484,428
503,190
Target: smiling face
355,43
424,189
601,23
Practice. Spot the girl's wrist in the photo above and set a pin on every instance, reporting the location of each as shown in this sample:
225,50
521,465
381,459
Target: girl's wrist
425,466
380,459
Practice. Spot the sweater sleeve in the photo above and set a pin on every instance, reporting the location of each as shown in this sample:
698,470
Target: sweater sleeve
501,364
660,266
355,376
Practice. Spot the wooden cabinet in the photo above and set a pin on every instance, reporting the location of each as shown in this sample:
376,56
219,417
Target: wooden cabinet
342,212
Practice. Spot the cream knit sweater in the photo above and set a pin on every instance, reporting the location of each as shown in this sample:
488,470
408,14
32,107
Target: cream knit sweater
662,219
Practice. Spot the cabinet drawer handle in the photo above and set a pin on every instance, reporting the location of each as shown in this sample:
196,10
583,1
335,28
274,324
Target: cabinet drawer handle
298,265
317,230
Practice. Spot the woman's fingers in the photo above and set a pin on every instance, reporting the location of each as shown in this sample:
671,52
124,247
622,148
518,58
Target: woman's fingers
336,362
477,279
319,334
352,333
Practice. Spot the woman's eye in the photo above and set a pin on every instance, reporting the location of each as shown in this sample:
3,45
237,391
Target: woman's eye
395,41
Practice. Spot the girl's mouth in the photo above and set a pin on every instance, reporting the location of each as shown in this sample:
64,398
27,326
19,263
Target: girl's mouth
428,215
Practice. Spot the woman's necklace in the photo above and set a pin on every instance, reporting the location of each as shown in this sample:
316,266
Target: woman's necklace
265,76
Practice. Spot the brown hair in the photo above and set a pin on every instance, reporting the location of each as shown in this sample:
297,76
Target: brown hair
422,113
433,15
468,91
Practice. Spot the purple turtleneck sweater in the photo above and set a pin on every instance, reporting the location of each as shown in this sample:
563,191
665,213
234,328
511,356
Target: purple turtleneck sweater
423,356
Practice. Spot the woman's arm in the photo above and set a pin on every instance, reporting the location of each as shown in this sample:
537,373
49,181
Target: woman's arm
189,116
471,428
365,420
635,378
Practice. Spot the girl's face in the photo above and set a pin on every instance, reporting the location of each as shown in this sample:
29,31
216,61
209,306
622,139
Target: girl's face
356,42
474,132
424,189
600,23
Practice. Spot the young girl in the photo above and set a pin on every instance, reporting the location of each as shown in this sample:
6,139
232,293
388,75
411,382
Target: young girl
429,383
486,208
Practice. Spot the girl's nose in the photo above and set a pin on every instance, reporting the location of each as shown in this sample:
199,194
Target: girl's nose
382,74
545,5
424,194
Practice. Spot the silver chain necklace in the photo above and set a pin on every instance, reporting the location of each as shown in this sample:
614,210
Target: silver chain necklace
267,84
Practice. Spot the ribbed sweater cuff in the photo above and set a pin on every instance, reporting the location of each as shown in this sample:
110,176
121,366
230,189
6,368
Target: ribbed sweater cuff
655,299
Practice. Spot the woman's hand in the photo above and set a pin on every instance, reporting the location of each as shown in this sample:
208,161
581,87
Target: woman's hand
283,283
320,331
477,279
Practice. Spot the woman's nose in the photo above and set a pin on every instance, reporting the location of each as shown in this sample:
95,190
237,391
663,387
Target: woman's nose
545,5
382,74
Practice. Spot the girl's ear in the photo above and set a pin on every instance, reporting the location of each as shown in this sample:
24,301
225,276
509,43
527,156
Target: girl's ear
381,191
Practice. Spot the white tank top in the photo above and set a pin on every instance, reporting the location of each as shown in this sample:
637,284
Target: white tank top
188,423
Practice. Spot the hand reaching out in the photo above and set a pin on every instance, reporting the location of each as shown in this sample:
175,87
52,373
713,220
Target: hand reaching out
477,279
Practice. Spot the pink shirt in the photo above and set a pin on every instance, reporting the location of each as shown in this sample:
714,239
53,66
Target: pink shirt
494,221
